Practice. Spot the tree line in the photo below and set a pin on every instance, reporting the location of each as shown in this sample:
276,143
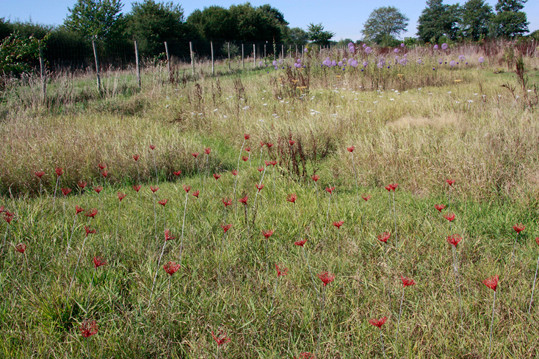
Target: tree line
152,23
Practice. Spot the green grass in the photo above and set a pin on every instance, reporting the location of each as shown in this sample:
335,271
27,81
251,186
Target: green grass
471,130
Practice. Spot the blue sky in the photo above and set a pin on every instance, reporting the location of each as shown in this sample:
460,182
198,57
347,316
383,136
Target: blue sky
345,17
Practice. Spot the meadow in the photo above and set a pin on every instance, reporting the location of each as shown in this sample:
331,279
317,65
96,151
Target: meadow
303,201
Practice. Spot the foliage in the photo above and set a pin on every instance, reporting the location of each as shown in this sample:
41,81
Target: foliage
19,53
476,19
317,34
152,23
510,21
96,19
438,20
383,24
296,36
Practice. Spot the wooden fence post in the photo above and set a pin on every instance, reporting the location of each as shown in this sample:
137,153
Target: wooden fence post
242,58
137,65
296,50
282,51
228,46
43,75
254,55
212,60
168,61
192,57
96,67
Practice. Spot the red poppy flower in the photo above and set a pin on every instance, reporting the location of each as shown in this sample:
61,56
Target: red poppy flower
267,233
454,239
267,163
450,182
273,163
300,243
378,322
136,157
246,136
366,197
186,188
226,227
262,144
98,189
537,240
177,173
270,145
330,190
98,262
59,171
439,207
163,202
92,213
216,176
292,198
260,169
39,174
171,268
194,154
406,282
207,150
338,224
259,187
394,186
66,191
492,282
104,174
87,328
196,193
305,355
315,177
450,217
121,196
21,247
244,158
326,278
89,230
227,202
384,237
154,189
2,209
220,341
234,172
247,149
281,271
102,166
8,217
291,142
78,209
82,184
243,200
351,148
137,188
388,188
168,236
519,227
152,147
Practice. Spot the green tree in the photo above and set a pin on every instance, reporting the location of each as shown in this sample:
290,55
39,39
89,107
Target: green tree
383,24
438,20
476,19
317,34
19,53
100,19
296,36
152,23
510,21
213,23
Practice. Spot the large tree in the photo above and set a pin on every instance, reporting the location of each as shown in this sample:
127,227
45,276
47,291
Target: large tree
317,35
213,23
438,20
383,24
476,19
152,23
99,19
510,21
